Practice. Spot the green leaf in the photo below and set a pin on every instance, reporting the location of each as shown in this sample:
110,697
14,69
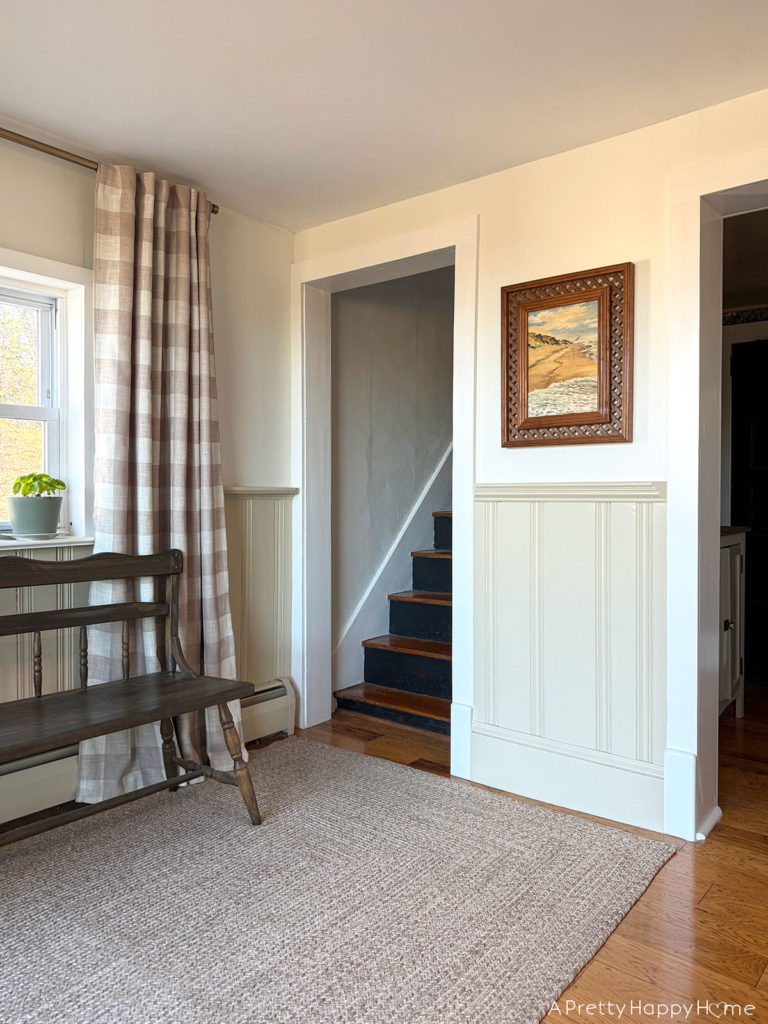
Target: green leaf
37,484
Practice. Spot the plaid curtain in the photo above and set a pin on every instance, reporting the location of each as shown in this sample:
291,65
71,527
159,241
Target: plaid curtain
157,474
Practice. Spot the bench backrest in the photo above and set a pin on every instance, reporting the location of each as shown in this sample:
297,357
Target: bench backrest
28,572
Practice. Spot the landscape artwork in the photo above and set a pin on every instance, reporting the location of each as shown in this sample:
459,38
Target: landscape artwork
563,360
566,358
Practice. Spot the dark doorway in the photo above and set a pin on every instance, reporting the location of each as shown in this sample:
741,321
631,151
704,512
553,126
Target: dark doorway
749,493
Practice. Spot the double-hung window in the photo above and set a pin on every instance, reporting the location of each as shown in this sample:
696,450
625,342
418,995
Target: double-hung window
30,418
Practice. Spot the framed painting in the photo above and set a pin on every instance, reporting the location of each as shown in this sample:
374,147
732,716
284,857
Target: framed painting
567,358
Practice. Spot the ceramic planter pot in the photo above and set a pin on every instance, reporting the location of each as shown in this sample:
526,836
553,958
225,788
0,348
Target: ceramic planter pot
36,516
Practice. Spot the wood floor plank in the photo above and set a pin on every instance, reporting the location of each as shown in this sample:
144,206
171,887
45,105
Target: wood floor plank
703,940
674,974
380,726
741,909
431,766
407,750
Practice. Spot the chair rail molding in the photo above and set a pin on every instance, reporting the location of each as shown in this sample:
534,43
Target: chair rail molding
570,645
601,491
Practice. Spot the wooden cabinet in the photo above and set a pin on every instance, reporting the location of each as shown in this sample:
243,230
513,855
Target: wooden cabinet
732,548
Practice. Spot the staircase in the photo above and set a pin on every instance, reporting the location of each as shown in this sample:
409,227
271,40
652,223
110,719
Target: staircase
407,673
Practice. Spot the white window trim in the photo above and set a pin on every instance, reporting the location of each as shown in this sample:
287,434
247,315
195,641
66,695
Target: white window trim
74,287
46,408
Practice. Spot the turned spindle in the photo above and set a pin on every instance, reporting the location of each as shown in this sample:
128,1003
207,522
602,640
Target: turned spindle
83,656
125,653
37,664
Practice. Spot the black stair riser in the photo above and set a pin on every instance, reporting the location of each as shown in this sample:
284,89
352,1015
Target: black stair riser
432,574
443,533
428,621
392,715
411,672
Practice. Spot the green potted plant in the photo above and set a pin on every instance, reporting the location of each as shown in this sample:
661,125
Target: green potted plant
35,507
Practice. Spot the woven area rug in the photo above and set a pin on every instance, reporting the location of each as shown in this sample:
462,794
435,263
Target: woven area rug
372,894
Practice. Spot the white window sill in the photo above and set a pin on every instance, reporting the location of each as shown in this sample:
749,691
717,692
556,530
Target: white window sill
64,541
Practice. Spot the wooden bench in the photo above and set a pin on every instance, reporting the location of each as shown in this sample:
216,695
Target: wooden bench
46,722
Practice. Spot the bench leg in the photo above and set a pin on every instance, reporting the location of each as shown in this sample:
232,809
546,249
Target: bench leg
241,771
169,749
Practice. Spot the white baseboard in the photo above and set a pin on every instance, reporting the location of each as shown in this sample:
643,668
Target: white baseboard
680,793
710,820
371,616
629,793
264,715
33,788
461,740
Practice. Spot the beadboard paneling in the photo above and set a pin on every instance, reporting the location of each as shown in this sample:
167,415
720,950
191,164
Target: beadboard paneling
60,658
259,544
571,627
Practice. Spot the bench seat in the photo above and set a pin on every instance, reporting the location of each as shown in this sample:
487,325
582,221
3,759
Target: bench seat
40,724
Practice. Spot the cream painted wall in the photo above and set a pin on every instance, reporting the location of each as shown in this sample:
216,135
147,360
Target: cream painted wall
601,204
610,202
46,208
250,276
392,352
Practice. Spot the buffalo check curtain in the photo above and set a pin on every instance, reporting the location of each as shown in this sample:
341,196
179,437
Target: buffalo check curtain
157,472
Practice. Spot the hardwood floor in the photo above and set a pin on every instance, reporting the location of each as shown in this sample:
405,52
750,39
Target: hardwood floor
700,932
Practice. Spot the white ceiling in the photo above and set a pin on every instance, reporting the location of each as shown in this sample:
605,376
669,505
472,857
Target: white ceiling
303,111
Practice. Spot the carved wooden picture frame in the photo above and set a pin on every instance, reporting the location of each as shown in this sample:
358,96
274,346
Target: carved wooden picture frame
567,358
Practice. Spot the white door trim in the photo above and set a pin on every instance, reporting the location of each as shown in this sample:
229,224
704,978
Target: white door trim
313,282
699,198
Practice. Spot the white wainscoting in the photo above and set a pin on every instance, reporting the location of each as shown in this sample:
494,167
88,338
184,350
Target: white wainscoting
60,661
259,546
570,645
35,783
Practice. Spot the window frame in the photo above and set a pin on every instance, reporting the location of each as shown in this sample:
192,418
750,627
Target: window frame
39,278
48,409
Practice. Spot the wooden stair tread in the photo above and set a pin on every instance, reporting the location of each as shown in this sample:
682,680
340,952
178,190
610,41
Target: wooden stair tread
433,553
423,596
442,515
39,724
410,645
398,700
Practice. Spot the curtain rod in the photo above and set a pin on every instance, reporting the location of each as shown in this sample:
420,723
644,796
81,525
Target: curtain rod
62,154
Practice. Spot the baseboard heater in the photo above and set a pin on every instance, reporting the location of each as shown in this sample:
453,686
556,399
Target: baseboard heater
47,780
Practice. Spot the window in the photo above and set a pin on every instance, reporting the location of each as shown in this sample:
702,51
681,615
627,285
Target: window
29,388
46,381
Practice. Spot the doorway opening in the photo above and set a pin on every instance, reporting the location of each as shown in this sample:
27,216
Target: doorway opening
743,677
391,517
315,282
